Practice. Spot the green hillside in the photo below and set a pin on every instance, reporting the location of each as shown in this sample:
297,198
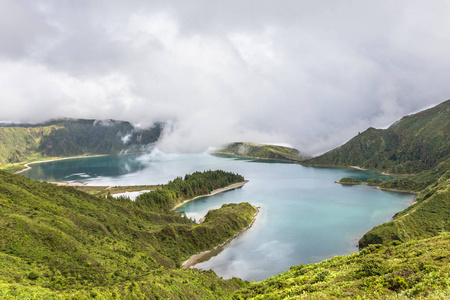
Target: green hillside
428,217
72,137
58,242
261,151
415,143
20,143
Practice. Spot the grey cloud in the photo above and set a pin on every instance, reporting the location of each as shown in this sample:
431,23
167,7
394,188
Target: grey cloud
21,30
311,74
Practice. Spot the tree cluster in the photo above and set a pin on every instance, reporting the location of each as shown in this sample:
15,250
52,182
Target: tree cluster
193,185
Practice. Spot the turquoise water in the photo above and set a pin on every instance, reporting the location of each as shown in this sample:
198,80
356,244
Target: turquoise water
304,217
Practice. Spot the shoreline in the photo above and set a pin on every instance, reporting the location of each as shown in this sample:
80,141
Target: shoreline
214,192
28,167
400,191
196,258
358,168
377,186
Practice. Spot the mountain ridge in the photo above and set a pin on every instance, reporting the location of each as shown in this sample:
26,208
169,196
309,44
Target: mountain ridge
415,143
73,137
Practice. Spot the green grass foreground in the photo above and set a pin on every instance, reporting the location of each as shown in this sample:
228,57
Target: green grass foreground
57,242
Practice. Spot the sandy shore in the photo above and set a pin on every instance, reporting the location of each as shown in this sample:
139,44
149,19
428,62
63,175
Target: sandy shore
215,192
69,184
358,168
28,167
194,259
362,169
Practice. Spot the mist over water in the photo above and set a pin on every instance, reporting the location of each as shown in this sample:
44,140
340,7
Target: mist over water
304,217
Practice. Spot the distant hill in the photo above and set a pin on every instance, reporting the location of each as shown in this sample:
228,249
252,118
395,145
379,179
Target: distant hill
415,143
73,137
261,151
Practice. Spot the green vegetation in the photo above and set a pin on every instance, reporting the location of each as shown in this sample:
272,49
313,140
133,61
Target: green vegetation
415,143
20,143
348,180
417,269
178,190
370,181
78,137
427,217
260,151
374,181
70,137
58,242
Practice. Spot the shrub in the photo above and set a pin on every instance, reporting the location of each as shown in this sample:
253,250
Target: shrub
374,181
33,275
397,284
349,180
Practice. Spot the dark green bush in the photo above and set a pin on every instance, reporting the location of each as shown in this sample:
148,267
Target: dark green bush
349,180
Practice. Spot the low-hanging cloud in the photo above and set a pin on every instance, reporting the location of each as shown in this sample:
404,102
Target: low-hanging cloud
311,74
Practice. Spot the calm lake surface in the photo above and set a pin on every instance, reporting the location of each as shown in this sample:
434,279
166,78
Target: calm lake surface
304,217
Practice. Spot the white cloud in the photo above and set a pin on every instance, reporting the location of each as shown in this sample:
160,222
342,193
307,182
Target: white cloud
311,74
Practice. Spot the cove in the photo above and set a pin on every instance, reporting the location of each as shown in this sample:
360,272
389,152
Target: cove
304,217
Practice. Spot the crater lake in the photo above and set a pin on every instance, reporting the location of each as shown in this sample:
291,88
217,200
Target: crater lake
305,217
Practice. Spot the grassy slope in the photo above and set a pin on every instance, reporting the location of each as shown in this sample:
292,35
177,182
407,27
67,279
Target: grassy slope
415,143
20,143
260,151
417,269
429,216
59,241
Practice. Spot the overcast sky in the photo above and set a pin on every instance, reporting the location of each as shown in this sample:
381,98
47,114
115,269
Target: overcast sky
307,73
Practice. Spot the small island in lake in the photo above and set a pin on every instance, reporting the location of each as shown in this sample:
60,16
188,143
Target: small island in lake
261,152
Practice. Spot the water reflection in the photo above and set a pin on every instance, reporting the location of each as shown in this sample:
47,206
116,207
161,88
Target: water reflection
86,168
